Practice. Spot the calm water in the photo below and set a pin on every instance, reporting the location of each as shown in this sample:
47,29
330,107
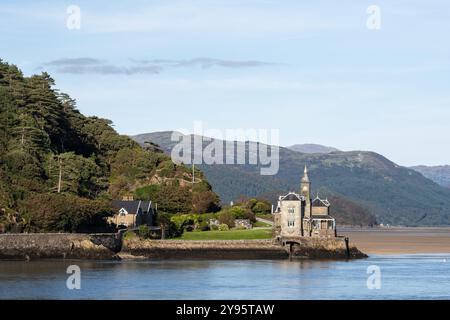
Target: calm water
402,277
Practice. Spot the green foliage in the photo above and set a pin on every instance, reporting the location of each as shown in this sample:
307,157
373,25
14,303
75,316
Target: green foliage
204,226
147,193
171,228
144,231
224,227
227,218
237,212
205,201
66,213
168,169
262,207
58,167
129,235
173,198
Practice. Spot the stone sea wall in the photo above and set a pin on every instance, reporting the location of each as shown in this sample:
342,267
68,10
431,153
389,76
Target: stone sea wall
241,249
331,248
111,246
59,245
205,249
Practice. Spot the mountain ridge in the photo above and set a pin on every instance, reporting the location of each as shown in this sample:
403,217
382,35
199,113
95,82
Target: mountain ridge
396,195
312,148
438,174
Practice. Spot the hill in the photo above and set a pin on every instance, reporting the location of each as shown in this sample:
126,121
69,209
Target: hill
312,148
439,174
393,194
59,169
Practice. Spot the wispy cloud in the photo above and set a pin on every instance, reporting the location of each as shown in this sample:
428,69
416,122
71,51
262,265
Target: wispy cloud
205,63
73,62
85,65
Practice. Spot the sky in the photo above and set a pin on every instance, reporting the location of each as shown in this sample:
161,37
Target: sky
312,69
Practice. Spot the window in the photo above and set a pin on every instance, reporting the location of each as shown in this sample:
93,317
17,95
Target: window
291,217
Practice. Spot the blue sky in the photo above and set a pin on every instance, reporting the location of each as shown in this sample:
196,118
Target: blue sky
309,68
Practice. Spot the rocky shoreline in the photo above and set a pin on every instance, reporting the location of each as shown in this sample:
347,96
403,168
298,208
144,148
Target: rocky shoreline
33,246
111,246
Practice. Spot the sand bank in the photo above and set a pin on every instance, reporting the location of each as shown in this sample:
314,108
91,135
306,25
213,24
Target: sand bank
399,240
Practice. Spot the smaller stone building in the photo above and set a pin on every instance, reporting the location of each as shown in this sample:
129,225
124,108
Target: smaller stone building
133,213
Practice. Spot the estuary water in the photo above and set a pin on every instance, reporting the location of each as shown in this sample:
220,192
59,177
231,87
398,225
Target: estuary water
400,277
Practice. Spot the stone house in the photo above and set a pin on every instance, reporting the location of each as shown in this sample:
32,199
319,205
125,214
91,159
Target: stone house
133,213
297,215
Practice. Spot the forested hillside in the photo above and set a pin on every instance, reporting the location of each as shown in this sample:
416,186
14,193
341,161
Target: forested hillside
59,169
365,181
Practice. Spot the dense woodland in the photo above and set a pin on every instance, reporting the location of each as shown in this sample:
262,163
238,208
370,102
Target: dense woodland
59,170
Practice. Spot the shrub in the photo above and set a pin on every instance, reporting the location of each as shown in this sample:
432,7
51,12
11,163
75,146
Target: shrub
144,231
147,193
238,212
214,227
203,226
227,218
129,235
262,207
171,229
168,169
223,227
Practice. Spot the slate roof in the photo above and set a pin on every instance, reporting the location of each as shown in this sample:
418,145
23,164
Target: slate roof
132,207
291,197
317,202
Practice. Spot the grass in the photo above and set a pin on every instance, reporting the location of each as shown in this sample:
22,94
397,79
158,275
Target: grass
261,224
256,233
267,216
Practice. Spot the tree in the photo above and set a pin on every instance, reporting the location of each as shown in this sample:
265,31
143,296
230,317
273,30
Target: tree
204,202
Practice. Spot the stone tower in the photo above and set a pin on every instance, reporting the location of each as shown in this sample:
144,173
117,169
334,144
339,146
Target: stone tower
305,191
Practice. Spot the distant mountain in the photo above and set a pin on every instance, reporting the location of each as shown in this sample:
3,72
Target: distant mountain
439,174
395,195
312,148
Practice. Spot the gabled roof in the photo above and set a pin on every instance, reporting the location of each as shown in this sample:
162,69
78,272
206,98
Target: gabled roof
291,196
317,202
132,207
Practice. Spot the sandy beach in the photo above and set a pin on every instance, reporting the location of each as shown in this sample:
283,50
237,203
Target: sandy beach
399,240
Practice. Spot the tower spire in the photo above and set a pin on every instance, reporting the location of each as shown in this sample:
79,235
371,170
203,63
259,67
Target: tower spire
305,175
